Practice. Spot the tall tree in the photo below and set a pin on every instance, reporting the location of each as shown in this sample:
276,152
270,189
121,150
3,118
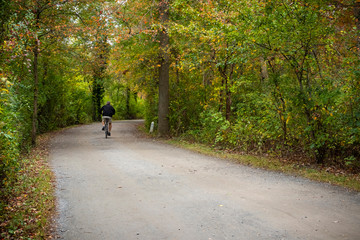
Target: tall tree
36,26
163,117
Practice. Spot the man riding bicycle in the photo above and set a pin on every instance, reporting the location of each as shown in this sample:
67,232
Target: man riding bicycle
107,111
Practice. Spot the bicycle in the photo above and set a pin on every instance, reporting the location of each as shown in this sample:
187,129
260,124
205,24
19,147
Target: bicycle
106,127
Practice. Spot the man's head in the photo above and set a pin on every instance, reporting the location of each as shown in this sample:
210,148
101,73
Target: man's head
108,102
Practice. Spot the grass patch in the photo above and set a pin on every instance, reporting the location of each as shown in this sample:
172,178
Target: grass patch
339,178
27,207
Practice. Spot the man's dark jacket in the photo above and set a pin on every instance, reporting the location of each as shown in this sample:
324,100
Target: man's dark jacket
107,110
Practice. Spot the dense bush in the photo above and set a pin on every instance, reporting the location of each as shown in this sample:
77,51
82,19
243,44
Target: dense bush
9,139
279,78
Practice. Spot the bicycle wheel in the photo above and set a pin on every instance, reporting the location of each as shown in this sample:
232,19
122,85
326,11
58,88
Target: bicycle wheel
106,128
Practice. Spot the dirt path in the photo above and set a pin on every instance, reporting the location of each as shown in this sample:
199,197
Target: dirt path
126,188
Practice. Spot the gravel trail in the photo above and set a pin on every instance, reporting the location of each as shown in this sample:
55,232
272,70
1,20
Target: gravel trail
127,187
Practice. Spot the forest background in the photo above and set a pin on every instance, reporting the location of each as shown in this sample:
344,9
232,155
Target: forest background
274,77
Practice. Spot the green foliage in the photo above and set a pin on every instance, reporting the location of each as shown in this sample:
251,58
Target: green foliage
28,206
9,139
127,103
214,127
267,77
184,110
63,93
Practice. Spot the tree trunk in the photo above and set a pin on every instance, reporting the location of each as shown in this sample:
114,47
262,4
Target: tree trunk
163,128
36,82
357,16
225,92
264,71
228,102
221,95
98,75
97,96
128,103
36,93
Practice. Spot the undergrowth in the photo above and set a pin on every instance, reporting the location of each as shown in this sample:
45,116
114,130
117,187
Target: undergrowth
314,172
28,204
